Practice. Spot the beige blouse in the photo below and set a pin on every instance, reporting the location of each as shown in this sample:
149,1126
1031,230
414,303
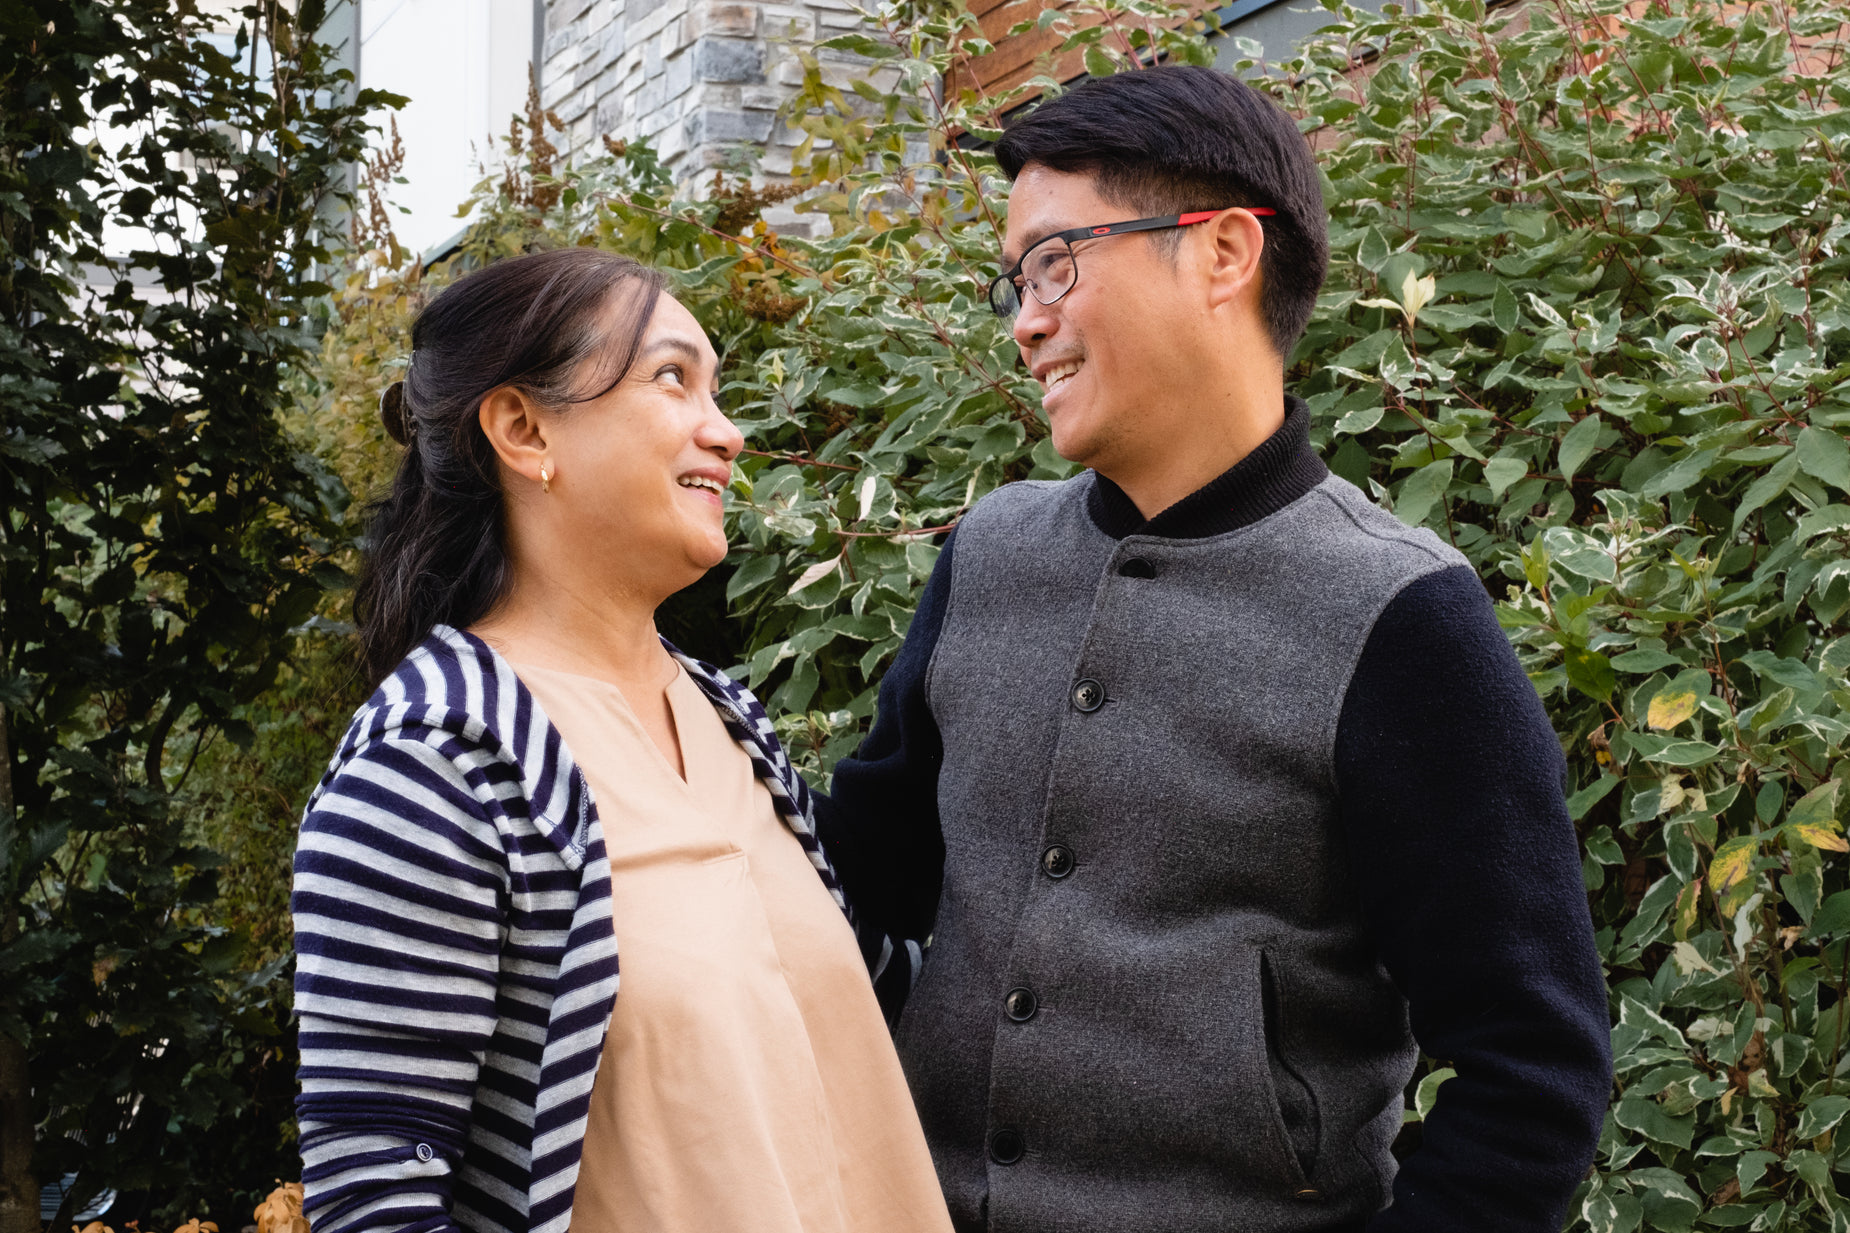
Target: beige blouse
748,1082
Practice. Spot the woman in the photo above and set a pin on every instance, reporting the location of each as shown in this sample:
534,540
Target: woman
540,778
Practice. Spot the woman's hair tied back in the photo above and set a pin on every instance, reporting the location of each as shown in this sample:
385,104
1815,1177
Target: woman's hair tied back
398,421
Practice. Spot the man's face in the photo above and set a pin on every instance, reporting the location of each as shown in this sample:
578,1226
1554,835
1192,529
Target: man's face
1111,354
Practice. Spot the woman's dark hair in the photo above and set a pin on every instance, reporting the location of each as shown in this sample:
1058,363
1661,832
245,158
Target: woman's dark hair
563,327
1178,138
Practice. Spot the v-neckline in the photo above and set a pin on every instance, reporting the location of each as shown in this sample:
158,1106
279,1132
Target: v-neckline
629,712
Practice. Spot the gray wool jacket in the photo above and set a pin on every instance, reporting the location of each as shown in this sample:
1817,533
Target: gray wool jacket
1168,983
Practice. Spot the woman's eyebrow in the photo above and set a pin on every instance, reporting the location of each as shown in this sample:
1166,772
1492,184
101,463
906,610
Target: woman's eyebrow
681,346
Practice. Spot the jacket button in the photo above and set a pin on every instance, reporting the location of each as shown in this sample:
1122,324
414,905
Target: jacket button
1137,567
1057,862
425,1153
1007,1146
1020,1004
1088,695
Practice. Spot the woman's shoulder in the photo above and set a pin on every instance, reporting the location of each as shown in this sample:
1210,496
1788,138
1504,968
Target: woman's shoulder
453,722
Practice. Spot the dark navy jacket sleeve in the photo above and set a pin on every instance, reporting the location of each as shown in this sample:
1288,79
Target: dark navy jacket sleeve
879,824
1451,780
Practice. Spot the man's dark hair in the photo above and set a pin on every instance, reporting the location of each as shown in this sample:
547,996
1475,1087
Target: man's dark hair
1174,139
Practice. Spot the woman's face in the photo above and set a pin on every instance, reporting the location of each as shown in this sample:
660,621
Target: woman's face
640,471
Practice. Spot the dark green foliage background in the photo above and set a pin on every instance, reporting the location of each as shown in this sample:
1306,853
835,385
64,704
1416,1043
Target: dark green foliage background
164,209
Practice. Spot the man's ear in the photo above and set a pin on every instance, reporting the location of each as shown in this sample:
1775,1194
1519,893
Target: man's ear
1236,239
516,430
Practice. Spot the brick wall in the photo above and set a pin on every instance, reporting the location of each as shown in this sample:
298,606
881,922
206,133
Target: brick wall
701,80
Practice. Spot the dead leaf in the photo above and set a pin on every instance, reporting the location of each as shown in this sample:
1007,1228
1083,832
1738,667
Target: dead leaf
1753,1055
281,1212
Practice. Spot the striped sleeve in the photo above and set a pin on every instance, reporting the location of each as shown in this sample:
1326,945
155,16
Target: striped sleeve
400,904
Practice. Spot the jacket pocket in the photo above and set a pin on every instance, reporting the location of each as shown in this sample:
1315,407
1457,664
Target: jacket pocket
1293,1097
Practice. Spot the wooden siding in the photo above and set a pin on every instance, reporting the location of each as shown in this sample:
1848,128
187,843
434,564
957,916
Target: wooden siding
1017,59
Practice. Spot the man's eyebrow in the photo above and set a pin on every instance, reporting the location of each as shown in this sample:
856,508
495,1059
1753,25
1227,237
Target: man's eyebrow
1031,238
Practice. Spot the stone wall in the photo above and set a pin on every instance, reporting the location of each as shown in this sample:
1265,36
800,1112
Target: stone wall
701,80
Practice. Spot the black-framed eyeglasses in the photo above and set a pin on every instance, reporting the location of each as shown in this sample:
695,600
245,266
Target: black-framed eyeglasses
1048,270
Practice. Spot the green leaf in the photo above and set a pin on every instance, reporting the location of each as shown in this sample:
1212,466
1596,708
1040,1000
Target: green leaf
1766,488
1590,673
1833,917
1360,420
1373,252
1825,456
1680,474
1578,444
1646,1117
1643,661
1592,794
758,569
1427,1094
1500,473
1831,520
1821,1115
1422,491
1503,310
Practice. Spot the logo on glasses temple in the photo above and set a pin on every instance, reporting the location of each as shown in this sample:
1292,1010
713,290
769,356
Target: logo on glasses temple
1100,230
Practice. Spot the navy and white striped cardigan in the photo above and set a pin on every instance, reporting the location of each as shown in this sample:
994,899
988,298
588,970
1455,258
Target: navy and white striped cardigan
456,964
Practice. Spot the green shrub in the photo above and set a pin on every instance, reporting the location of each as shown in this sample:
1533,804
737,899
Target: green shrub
164,205
1586,319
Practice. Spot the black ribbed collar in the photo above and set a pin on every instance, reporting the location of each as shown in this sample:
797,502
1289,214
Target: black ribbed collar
1281,470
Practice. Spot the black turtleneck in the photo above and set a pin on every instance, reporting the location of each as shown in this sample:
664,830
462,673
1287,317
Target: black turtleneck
1437,720
1282,469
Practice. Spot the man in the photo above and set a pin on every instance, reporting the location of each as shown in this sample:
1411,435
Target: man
1215,786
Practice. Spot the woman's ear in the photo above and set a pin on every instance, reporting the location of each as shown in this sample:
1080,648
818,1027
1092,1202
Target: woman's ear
516,430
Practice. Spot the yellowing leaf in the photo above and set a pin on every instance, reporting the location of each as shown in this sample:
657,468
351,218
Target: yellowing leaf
1670,709
1819,836
1688,902
1728,872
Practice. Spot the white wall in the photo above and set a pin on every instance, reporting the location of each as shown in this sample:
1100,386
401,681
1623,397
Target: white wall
463,63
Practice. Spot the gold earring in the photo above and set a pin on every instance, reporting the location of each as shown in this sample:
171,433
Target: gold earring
545,483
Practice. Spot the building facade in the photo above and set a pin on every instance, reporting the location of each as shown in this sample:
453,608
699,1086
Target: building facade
701,80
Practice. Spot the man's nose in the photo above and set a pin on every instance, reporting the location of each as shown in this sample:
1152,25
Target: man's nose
1035,323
